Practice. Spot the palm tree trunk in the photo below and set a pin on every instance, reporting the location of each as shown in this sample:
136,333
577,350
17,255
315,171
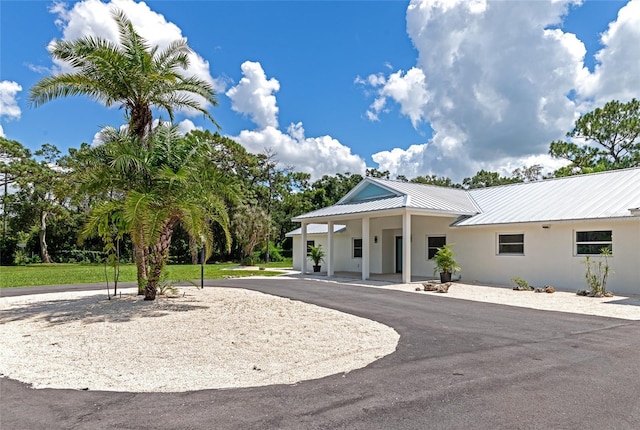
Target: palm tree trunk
193,250
141,254
141,122
116,268
159,256
42,235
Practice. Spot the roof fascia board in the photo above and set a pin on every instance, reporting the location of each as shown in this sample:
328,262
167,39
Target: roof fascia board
313,234
379,214
550,221
359,215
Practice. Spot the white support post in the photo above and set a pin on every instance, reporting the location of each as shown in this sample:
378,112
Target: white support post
365,248
329,254
303,267
406,248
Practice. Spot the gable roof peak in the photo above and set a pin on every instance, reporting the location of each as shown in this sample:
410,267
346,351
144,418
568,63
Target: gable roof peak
362,185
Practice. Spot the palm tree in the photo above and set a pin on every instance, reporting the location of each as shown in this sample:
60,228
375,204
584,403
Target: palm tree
170,181
131,73
251,225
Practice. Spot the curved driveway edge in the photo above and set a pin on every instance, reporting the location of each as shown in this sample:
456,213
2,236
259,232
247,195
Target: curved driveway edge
459,364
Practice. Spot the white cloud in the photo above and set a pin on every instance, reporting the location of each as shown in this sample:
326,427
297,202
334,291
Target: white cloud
314,155
254,95
2,131
408,90
498,81
185,126
402,162
617,72
8,104
93,18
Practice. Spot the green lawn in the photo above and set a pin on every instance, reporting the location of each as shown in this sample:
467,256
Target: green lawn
54,274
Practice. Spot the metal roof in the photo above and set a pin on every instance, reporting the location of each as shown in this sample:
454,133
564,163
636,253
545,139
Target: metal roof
354,208
431,197
413,196
609,194
317,229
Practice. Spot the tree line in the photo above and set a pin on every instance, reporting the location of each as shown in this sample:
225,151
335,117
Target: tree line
151,195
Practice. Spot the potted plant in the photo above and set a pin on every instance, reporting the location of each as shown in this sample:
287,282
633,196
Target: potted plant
445,263
317,255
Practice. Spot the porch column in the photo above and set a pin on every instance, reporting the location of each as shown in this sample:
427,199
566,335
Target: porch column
406,248
329,253
365,248
303,229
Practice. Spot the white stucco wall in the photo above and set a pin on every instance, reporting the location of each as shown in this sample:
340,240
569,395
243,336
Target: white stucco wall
549,255
319,239
422,227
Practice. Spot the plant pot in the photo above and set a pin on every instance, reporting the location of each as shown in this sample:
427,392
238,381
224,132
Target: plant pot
316,268
445,277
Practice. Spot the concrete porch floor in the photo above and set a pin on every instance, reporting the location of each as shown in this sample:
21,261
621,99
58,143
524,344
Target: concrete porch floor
392,278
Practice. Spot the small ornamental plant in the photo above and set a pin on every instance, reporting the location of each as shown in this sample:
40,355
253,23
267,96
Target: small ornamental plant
445,263
317,256
598,272
521,284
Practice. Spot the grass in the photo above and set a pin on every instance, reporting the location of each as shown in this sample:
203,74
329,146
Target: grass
57,274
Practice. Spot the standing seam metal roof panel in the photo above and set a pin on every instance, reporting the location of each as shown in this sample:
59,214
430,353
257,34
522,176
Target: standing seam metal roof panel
417,196
354,208
433,197
600,195
595,196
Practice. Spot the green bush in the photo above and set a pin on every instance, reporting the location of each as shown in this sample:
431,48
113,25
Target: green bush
597,272
275,253
19,258
444,260
35,259
521,284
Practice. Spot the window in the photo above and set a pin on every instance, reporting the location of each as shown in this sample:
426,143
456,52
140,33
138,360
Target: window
357,248
592,242
433,244
511,244
310,243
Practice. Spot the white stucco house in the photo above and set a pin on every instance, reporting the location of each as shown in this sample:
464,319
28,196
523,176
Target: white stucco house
539,231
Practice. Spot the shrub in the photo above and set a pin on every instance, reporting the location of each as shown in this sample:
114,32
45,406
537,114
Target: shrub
275,253
444,260
35,259
597,272
19,258
316,254
521,284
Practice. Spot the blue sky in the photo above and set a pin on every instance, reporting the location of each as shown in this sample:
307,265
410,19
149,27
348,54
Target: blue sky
446,87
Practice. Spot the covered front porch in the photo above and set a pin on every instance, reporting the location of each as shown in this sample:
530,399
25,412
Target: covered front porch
390,246
381,228
393,246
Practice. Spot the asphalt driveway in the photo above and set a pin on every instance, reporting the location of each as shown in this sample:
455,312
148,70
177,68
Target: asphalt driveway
458,365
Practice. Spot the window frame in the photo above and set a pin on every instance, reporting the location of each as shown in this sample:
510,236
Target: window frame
427,247
600,243
500,244
353,247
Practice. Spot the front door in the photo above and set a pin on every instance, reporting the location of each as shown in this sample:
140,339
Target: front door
398,254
